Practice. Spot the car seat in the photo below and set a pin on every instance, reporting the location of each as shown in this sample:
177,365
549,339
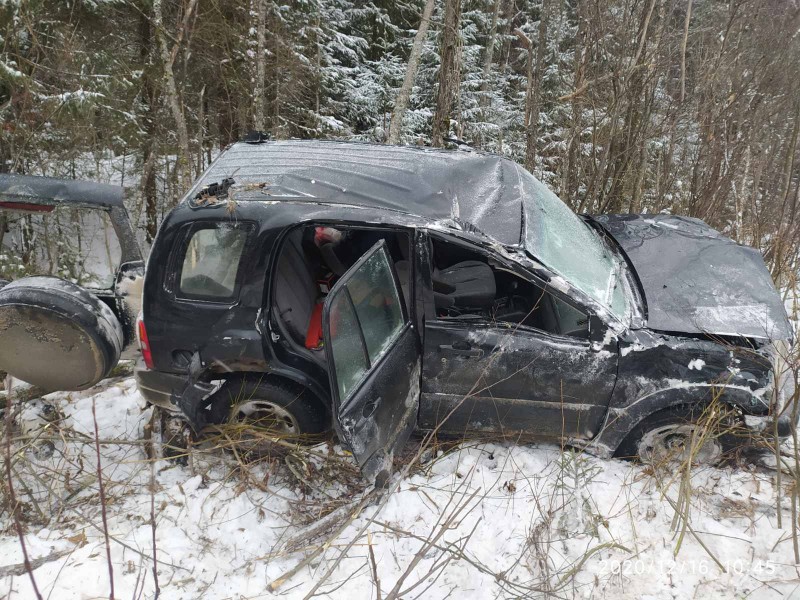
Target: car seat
296,292
467,285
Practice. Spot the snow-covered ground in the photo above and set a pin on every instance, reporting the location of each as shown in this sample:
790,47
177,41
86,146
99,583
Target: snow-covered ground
479,520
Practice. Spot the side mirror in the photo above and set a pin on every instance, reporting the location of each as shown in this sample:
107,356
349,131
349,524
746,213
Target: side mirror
597,333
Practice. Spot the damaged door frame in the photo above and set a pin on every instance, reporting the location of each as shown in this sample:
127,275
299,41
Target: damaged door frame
596,344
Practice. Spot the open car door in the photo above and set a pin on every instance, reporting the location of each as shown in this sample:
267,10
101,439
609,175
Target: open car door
374,362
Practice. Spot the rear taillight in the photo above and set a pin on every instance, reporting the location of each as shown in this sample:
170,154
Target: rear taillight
144,344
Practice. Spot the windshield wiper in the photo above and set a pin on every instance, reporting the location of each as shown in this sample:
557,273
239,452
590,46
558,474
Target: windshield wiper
613,281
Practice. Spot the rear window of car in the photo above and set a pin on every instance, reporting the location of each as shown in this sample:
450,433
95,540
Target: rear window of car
76,244
210,266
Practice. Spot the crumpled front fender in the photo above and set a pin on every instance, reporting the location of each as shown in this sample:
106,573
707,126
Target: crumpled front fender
621,420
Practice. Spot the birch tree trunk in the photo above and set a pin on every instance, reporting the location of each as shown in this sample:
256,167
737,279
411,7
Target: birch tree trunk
488,60
149,95
775,253
449,72
202,122
404,95
277,74
184,161
533,101
261,66
684,42
569,186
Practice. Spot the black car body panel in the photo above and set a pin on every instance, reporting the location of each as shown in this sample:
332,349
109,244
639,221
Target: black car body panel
522,382
697,281
659,371
518,381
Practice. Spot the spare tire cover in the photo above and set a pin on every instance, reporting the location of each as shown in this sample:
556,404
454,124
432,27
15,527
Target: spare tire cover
56,335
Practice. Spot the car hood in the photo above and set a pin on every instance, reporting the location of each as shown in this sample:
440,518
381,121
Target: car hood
695,280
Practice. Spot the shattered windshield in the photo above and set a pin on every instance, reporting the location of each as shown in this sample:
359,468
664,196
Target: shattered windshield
559,239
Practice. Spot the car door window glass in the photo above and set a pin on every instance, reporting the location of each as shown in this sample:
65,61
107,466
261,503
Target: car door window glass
365,318
211,262
349,357
571,321
377,304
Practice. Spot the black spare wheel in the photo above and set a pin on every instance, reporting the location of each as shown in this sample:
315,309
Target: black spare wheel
56,335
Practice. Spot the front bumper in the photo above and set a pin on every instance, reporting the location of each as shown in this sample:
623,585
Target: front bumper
766,425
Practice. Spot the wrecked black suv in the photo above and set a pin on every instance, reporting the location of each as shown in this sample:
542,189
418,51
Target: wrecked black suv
386,289
383,290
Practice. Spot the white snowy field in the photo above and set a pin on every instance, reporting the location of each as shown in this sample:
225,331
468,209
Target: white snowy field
479,521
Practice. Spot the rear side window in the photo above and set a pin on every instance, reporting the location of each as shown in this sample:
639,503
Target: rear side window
211,262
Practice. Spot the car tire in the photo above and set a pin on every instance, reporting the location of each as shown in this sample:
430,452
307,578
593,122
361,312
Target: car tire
56,335
270,402
662,437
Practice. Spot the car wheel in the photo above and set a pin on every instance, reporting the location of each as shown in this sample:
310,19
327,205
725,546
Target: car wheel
279,406
56,335
667,437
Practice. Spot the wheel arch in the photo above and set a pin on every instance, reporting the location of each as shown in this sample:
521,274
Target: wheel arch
620,421
287,376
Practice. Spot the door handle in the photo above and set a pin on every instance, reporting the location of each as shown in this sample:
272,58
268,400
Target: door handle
465,351
370,407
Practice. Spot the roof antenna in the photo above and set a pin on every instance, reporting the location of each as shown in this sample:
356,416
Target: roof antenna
460,144
256,137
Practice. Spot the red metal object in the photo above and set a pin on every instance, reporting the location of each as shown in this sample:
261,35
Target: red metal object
314,333
42,208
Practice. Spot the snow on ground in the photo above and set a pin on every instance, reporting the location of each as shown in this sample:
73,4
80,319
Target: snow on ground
481,520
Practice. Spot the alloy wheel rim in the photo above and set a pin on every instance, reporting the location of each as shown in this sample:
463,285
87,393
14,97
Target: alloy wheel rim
672,443
265,414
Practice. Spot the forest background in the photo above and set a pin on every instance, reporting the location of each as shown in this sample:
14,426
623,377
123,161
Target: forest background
686,106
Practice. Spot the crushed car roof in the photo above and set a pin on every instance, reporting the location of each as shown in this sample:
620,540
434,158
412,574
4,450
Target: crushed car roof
31,189
465,188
